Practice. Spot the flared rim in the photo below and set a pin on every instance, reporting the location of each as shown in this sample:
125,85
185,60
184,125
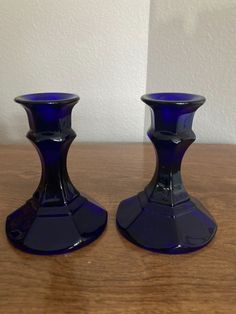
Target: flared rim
174,98
47,98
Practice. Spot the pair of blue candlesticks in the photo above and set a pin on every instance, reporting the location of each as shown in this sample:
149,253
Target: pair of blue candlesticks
161,218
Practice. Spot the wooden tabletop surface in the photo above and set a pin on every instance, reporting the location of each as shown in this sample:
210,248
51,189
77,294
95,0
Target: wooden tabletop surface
112,275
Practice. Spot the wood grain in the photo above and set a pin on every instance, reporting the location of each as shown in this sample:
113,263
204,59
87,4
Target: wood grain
112,275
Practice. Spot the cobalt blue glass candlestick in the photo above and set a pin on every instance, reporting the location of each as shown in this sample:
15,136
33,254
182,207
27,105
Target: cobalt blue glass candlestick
57,219
163,217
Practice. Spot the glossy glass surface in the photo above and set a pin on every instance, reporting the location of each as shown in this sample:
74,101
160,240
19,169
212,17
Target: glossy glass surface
57,218
163,217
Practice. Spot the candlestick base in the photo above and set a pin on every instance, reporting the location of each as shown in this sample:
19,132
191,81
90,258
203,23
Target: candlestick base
55,230
183,228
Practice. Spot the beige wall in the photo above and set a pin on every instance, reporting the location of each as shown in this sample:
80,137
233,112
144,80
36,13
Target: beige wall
96,48
192,48
110,52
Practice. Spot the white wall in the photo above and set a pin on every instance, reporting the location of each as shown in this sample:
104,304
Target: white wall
100,49
192,48
96,48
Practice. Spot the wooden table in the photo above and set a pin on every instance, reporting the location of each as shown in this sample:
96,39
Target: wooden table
112,275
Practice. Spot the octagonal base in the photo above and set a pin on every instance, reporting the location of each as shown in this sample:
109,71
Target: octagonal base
183,228
55,230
